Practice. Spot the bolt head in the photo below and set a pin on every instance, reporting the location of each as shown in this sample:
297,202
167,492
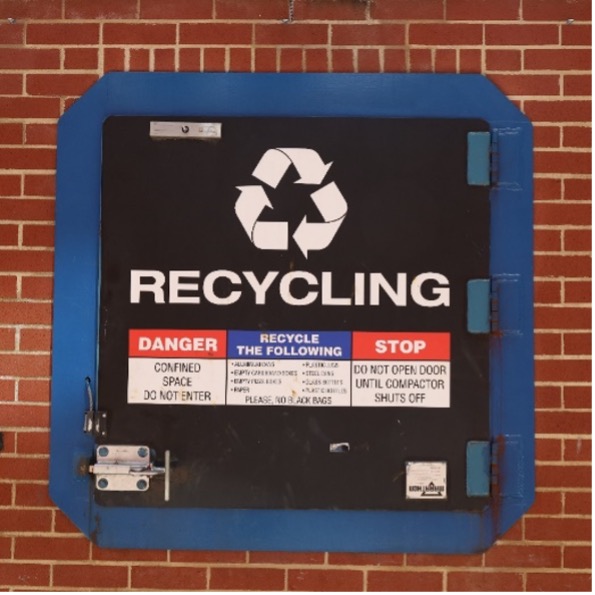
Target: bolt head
141,484
142,452
102,483
103,451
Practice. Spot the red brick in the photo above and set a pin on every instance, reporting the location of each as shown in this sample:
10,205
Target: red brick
316,60
577,449
9,235
576,34
554,476
562,162
577,397
547,189
20,520
291,60
343,60
407,10
265,60
562,266
548,449
404,581
62,34
547,503
445,61
25,313
522,34
308,10
530,84
216,34
350,559
557,529
563,370
164,60
7,339
168,578
35,340
214,59
21,468
65,84
503,60
29,59
51,548
577,344
287,558
420,60
139,60
577,189
484,581
40,134
29,107
139,34
548,344
395,60
33,442
577,292
325,580
191,59
11,34
368,60
562,422
444,560
558,111
37,288
548,397
577,136
113,59
240,59
563,214
470,61
208,557
556,10
547,136
26,261
40,185
90,576
7,390
81,59
106,9
562,581
179,9
524,556
550,59
294,34
565,317
109,555
247,579
578,503
5,542
5,500
21,158
368,35
547,240
482,10
11,83
11,134
38,235
577,556
33,495
35,9
261,9
20,415
445,34
16,574
37,391
577,84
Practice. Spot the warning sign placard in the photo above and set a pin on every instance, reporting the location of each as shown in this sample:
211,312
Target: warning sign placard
289,368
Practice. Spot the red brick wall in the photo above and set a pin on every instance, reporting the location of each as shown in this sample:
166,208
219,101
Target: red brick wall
55,49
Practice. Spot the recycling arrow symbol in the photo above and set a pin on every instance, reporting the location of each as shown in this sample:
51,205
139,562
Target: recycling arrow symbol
274,235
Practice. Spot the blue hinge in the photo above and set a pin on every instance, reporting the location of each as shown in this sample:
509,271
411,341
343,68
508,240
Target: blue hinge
479,146
479,466
479,306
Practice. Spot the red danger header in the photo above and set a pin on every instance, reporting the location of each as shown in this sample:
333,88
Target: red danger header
398,346
177,343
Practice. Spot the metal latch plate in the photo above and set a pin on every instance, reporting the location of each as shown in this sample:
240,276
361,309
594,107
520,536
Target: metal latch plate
123,468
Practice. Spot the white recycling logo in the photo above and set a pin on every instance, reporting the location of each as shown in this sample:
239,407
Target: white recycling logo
274,235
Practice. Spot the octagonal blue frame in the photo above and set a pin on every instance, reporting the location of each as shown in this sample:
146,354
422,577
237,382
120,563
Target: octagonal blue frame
76,290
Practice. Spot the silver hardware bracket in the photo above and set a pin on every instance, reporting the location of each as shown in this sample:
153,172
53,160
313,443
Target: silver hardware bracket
185,130
125,468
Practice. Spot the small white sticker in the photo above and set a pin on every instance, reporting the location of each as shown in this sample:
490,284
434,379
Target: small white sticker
426,480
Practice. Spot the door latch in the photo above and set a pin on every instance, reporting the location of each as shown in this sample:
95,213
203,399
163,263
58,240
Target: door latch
124,468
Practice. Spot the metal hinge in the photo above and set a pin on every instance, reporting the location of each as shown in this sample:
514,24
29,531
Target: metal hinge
125,468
